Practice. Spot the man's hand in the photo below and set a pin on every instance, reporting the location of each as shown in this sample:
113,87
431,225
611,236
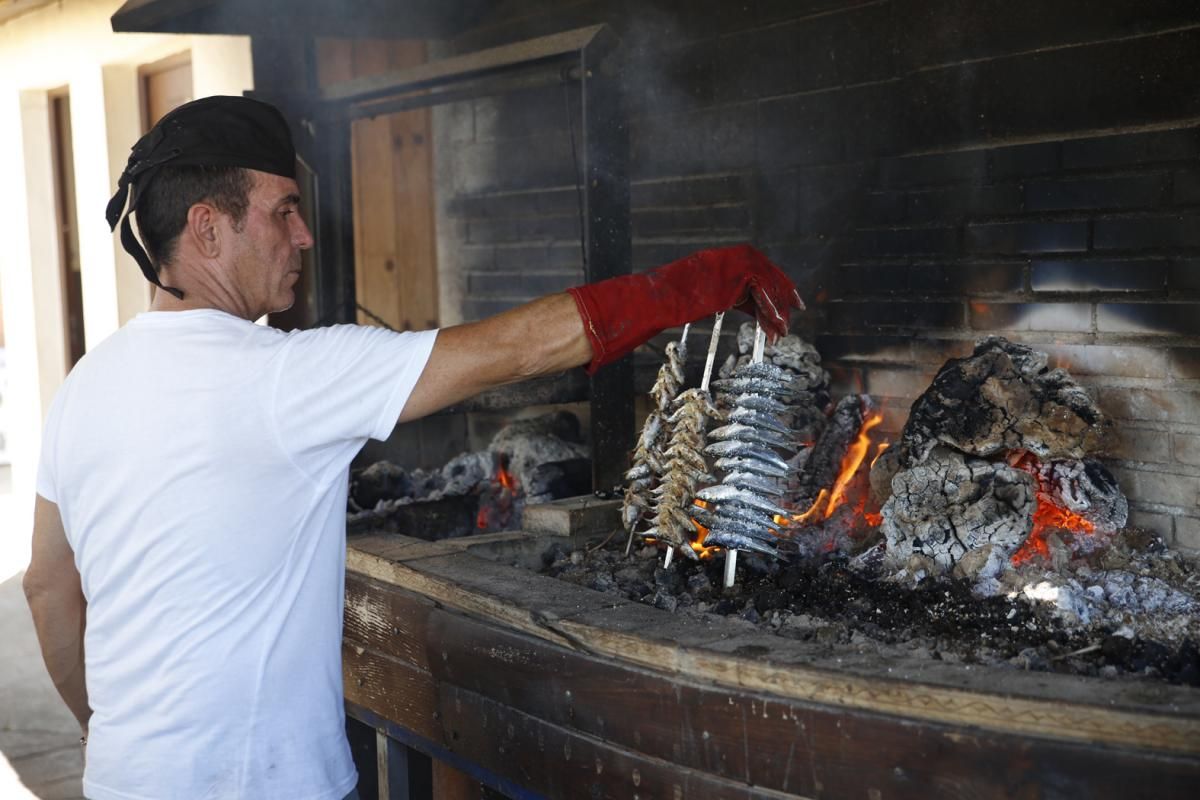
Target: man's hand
621,313
55,594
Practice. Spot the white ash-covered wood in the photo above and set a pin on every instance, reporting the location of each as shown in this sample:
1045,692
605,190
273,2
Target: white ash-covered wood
1086,488
999,399
952,504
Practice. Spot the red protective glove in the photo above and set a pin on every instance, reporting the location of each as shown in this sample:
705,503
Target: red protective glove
621,313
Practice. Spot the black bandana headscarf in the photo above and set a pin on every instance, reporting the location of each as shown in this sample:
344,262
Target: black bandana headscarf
211,132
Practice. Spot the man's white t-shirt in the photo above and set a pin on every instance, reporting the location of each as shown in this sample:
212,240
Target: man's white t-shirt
199,462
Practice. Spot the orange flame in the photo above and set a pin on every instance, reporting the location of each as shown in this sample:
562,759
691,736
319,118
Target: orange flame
882,446
814,509
1047,517
851,462
506,478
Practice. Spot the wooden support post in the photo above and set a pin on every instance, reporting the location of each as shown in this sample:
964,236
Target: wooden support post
452,784
392,765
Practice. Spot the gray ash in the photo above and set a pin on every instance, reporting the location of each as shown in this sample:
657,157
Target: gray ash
831,604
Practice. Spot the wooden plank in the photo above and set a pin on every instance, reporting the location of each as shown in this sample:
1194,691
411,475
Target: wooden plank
394,241
450,784
391,688
415,279
486,589
556,762
584,620
465,67
392,767
573,516
374,199
386,620
761,741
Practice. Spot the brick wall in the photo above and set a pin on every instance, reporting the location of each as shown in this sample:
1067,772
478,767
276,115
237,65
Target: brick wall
929,171
1085,248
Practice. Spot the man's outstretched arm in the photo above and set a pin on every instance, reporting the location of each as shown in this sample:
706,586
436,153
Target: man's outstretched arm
55,594
598,323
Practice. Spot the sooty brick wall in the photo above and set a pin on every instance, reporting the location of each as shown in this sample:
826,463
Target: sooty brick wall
929,171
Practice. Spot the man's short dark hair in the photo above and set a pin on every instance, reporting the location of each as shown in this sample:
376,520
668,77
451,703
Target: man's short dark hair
162,210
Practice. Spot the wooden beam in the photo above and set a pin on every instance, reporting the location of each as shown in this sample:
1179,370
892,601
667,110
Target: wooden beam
566,723
465,67
1159,718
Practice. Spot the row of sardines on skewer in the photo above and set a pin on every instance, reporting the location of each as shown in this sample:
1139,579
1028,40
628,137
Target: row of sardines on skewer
673,495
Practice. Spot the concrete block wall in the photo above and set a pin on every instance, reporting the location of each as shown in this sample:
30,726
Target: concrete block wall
928,171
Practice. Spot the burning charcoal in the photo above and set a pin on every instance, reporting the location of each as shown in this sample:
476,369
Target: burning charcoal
1085,488
699,582
603,582
463,473
526,444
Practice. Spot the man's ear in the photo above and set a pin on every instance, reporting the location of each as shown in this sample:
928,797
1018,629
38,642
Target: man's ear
202,229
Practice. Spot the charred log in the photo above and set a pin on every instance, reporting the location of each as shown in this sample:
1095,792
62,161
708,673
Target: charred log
1001,398
825,458
952,504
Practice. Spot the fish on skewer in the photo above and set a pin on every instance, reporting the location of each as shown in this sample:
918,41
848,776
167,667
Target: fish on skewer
649,458
767,469
750,450
719,537
740,432
759,419
757,483
742,512
725,493
685,469
759,402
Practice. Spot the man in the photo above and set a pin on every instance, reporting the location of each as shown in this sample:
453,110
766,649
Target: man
189,535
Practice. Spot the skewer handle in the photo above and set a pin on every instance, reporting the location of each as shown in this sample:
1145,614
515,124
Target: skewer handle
667,559
683,336
730,567
712,350
760,341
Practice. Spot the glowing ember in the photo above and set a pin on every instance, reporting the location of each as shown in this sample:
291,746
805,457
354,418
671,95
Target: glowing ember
498,503
1048,517
506,479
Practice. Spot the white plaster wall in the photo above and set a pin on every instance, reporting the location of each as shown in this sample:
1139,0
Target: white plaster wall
71,44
